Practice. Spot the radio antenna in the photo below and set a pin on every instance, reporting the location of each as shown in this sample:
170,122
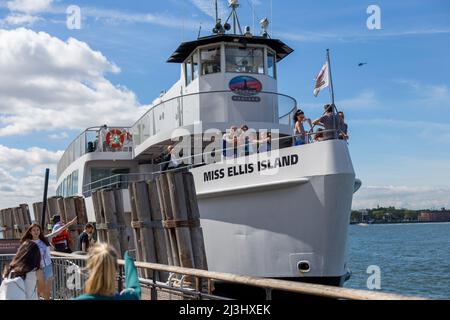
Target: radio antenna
199,31
217,12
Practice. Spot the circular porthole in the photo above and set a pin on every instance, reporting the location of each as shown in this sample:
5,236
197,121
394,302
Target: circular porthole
303,266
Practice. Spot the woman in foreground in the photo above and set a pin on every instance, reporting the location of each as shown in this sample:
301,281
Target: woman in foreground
102,267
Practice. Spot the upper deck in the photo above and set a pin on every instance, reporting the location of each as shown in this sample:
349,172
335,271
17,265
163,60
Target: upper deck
96,140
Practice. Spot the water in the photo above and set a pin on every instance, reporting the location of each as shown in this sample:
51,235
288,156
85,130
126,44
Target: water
414,258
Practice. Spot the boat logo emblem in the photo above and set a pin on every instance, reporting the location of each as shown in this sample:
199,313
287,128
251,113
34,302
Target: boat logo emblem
245,86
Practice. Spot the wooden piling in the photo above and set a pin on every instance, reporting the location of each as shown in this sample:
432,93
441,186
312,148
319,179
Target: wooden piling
37,209
99,216
26,214
198,242
109,209
179,211
53,209
143,231
61,209
9,223
80,208
69,208
158,230
3,223
171,240
121,221
18,222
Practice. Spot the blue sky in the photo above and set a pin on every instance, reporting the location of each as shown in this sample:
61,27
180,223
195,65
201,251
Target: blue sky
397,106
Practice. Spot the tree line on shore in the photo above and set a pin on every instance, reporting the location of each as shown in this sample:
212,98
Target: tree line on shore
386,214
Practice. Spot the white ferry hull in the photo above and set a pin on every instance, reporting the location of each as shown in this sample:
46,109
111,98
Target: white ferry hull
265,225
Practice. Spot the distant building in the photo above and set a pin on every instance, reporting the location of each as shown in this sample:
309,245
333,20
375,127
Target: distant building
435,216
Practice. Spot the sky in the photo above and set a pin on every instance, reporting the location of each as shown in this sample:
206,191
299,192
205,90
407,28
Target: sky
56,81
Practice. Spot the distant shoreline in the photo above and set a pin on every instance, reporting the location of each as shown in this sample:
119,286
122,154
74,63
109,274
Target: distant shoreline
399,222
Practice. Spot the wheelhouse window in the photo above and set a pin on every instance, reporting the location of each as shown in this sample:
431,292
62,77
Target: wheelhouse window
188,71
210,59
271,64
245,60
195,65
191,68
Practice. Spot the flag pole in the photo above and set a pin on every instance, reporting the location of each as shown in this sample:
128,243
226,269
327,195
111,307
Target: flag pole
332,93
329,75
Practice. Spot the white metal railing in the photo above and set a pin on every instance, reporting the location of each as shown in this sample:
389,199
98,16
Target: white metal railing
182,111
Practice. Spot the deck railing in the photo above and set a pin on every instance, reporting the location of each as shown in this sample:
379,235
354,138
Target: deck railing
92,140
201,286
184,110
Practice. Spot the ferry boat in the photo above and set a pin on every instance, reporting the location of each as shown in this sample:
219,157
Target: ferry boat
281,212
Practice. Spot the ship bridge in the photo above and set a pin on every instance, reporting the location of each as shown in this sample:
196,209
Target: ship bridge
226,80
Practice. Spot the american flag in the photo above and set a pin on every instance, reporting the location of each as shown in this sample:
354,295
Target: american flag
322,80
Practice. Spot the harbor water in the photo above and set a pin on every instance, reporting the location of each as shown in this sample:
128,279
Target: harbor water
413,258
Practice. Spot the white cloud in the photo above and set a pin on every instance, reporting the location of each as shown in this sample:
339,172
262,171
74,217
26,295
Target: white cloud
22,174
208,7
59,136
33,159
402,197
21,19
430,95
364,100
58,85
309,36
29,6
150,18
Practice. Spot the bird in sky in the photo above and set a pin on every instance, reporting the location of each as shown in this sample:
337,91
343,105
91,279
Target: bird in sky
361,64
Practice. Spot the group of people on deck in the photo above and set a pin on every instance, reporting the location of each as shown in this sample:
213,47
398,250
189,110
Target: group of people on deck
241,142
333,127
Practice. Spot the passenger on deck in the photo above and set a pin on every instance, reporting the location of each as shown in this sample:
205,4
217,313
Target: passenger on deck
319,135
245,141
329,121
265,142
101,138
230,141
301,136
343,128
170,160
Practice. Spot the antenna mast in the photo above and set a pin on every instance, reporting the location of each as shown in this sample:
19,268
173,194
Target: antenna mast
234,4
217,12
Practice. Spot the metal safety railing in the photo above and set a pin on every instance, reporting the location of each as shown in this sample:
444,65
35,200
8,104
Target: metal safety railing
190,284
199,284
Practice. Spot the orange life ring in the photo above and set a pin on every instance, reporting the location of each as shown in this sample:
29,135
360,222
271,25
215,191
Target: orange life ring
115,138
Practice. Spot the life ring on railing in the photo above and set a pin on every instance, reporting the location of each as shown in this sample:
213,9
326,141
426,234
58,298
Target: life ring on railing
115,138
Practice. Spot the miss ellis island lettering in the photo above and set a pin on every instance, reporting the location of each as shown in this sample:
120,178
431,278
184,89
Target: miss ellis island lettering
249,168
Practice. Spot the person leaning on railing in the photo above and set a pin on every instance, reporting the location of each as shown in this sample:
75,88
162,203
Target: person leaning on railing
329,121
102,268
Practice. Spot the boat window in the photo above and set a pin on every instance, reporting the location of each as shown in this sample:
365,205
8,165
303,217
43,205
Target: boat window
188,71
271,64
195,66
210,59
245,60
108,177
69,186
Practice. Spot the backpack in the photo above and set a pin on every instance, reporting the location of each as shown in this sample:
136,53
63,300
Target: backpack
16,289
13,289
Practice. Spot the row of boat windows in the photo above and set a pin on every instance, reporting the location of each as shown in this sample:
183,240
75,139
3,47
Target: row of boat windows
100,177
238,60
69,187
